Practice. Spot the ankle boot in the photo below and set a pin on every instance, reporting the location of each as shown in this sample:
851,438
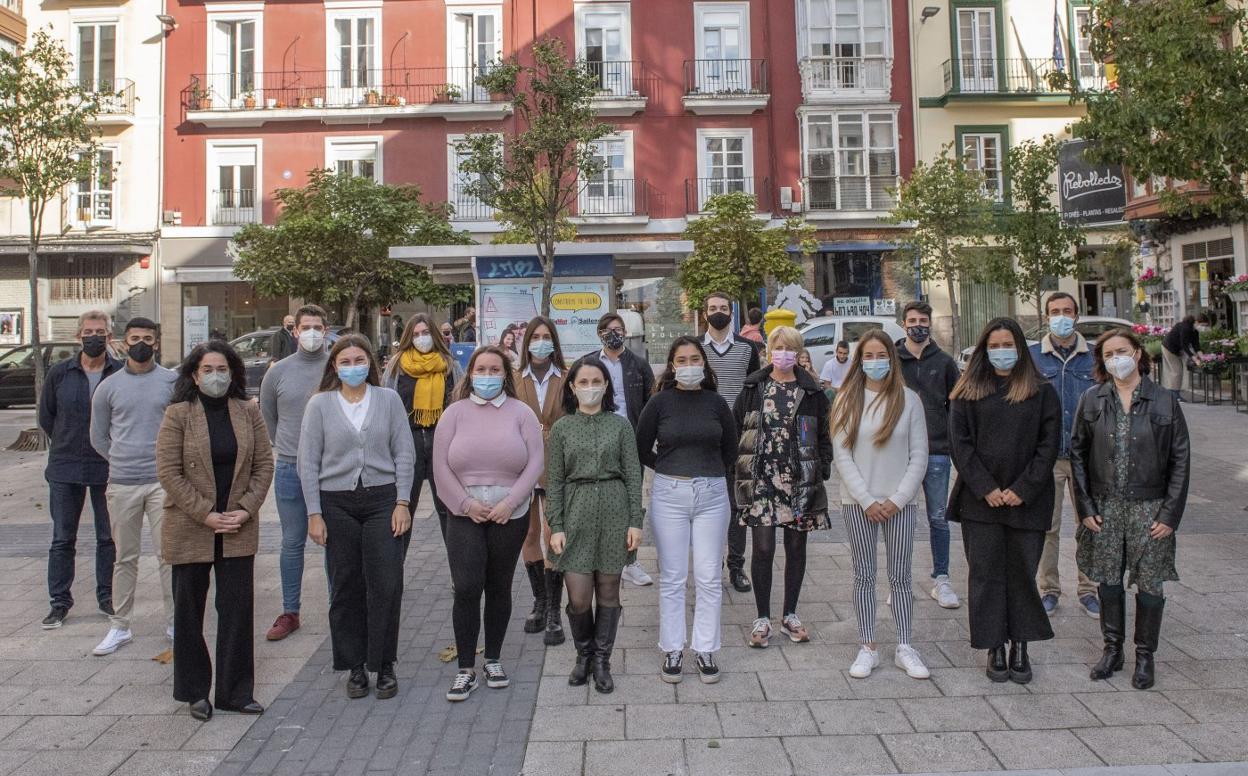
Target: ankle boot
582,627
1113,628
536,621
1020,666
606,622
998,664
1148,610
554,599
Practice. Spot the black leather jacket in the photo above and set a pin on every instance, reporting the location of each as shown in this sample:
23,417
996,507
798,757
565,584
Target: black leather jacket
1160,455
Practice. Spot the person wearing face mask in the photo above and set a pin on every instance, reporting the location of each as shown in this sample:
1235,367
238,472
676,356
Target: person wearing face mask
126,412
688,435
880,441
1005,425
74,468
784,457
487,458
594,507
1064,358
448,334
1131,460
356,460
284,394
1180,345
212,523
283,343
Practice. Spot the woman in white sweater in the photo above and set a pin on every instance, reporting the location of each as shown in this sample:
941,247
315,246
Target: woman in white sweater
879,436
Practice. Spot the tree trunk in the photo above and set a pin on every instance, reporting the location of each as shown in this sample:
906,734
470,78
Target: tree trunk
352,307
548,274
951,280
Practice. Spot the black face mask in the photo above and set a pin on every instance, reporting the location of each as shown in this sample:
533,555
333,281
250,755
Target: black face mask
719,321
141,352
614,340
290,328
94,345
919,333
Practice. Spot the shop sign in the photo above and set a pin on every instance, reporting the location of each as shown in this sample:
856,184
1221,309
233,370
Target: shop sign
1089,193
851,305
194,328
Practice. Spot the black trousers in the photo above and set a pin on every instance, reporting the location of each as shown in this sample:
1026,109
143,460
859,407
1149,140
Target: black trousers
192,667
422,438
1003,601
736,543
367,590
483,560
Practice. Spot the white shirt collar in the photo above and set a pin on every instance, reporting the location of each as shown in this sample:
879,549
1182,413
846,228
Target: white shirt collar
709,340
497,401
552,372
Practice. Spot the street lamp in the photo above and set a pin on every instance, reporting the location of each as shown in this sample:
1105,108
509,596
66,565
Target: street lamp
167,21
928,12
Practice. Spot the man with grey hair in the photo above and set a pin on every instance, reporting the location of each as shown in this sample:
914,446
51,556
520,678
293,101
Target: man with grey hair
74,467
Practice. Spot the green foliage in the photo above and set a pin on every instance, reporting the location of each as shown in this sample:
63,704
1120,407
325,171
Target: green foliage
331,244
1179,106
736,252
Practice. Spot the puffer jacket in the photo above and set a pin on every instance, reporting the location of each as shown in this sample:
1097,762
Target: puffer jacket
812,452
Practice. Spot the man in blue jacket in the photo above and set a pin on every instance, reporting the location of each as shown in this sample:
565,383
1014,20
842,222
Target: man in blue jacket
75,468
1064,357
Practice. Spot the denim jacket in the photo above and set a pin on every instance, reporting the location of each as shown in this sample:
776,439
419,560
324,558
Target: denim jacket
1070,377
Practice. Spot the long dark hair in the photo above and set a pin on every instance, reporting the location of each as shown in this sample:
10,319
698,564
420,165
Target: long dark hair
330,381
570,404
668,379
556,357
185,389
1099,372
979,379
464,389
439,342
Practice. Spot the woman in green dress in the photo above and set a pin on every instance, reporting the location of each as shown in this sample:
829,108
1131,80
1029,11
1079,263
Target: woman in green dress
593,505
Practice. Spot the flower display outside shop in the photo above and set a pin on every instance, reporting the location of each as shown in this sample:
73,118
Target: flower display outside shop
1149,278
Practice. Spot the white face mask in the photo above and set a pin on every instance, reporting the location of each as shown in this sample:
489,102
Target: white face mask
311,340
1121,367
423,342
690,376
590,397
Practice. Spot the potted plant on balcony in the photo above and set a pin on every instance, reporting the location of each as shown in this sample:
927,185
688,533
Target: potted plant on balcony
392,100
249,100
305,101
448,93
372,97
1150,281
270,103
201,98
1236,288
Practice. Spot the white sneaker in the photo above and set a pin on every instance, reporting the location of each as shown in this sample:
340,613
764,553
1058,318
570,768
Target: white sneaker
865,663
634,573
115,639
169,633
943,593
908,660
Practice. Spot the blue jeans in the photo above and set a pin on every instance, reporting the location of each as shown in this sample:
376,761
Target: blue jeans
293,514
65,502
936,494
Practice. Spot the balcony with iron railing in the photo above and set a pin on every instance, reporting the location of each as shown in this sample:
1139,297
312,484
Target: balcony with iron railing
1013,78
604,197
834,79
234,207
725,86
699,191
465,206
621,87
849,193
116,98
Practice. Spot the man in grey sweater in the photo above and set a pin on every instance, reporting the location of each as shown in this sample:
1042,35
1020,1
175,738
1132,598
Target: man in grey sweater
126,411
284,394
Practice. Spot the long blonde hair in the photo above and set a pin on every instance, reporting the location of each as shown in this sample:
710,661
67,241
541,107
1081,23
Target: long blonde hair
848,409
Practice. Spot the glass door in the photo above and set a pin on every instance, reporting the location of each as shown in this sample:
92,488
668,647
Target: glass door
977,49
234,61
722,68
606,52
355,73
97,57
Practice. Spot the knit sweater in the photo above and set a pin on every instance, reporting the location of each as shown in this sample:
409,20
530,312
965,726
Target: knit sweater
480,444
126,412
893,471
284,394
732,366
695,432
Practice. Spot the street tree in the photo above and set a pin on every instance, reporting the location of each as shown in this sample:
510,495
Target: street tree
736,253
949,213
331,241
532,174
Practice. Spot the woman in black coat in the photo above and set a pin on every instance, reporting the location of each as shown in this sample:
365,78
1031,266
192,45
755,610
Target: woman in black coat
1005,427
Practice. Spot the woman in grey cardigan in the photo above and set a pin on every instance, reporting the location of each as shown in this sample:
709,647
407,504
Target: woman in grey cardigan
355,462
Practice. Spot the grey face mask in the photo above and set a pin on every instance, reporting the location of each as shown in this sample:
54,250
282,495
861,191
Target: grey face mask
215,385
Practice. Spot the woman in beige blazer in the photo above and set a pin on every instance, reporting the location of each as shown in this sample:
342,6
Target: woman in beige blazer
215,463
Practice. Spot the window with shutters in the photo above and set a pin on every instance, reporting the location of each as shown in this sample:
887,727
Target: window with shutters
234,49
80,278
234,182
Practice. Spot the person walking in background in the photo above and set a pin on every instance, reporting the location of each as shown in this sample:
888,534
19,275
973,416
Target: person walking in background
1131,460
688,436
880,444
732,359
488,456
1005,425
753,330
1064,358
212,523
126,411
467,326
931,373
356,460
594,507
785,454
540,385
448,333
835,369
74,468
283,343
1180,345
284,394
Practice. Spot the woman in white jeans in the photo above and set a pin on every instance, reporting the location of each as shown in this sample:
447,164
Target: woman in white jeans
880,446
687,435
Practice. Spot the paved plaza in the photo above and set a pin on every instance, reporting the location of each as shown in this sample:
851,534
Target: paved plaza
789,709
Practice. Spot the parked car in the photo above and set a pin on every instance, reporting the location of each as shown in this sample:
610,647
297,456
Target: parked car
1090,327
822,334
17,370
253,348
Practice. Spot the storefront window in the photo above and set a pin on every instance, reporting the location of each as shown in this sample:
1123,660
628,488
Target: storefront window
1206,266
233,308
658,304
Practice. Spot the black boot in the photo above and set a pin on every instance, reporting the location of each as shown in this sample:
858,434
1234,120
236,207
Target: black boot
387,682
582,627
357,682
1113,628
606,622
536,621
554,599
1148,609
1020,666
998,664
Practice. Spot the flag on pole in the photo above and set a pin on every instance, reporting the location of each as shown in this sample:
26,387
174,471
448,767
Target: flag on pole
1059,59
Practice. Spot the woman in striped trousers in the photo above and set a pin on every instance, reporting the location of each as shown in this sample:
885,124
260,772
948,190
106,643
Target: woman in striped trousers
880,443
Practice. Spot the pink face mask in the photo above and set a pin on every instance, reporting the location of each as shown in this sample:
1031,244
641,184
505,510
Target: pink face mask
783,359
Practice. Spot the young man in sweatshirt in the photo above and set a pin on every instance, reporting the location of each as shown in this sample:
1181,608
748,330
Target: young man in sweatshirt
931,373
126,412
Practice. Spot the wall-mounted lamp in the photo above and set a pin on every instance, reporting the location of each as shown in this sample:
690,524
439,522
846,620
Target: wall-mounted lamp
167,21
928,12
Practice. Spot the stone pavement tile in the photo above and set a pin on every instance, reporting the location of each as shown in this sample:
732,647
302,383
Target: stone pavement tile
683,720
777,718
736,659
58,701
820,655
59,763
1210,646
1137,745
830,755
627,758
1212,705
962,655
58,733
222,732
1133,708
555,690
634,688
1210,674
805,686
637,635
11,761
1216,741
1020,749
953,682
889,681
1023,712
1167,678
939,715
939,751
730,687
55,672
577,723
1064,678
10,723
550,758
171,763
737,757
116,673
141,699
1064,650
869,716
1208,769
140,732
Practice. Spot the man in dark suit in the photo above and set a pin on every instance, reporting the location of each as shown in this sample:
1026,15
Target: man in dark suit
283,341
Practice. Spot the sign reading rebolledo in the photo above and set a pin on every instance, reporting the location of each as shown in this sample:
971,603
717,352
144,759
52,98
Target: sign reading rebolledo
576,300
1089,193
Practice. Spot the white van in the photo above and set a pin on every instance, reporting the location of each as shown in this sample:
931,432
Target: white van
822,334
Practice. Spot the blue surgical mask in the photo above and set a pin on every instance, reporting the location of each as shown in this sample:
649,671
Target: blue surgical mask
353,376
876,369
541,348
1003,359
487,386
1061,326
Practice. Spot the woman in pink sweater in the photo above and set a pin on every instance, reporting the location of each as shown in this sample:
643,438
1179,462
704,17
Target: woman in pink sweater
487,457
